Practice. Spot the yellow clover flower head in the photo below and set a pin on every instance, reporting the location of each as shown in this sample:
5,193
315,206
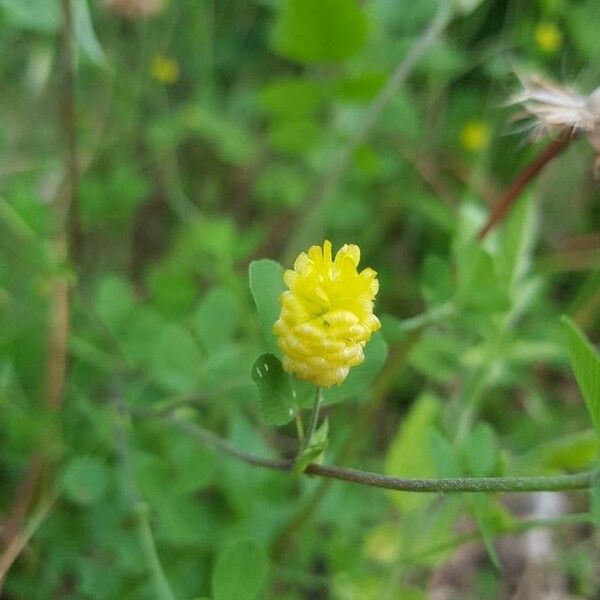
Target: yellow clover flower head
326,315
165,70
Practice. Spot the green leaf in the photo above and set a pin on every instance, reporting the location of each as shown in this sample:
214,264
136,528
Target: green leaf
38,15
177,360
360,88
436,280
275,394
443,455
486,517
240,572
404,117
294,137
360,378
435,355
291,98
215,320
85,480
193,467
595,502
114,302
574,452
139,338
517,242
584,22
281,185
585,362
315,451
312,31
111,199
478,285
479,451
230,139
266,283
408,454
405,16
86,36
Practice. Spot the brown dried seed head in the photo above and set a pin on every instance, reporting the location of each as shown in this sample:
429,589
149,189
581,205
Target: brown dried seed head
553,108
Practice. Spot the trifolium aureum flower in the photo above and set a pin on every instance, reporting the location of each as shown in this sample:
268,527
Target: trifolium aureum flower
326,315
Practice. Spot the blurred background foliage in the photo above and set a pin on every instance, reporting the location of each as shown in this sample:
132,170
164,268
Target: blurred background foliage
205,131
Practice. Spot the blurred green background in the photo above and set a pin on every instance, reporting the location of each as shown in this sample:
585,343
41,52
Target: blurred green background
210,133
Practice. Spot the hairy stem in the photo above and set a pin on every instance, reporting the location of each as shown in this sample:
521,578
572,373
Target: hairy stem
397,361
575,481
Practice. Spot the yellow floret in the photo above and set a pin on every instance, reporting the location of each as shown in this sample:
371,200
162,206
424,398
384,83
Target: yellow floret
165,70
326,315
548,37
475,136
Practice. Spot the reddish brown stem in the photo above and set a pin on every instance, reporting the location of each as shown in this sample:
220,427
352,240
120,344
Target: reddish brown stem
67,238
511,195
23,499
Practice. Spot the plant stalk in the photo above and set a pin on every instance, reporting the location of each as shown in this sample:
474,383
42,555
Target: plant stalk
314,416
576,481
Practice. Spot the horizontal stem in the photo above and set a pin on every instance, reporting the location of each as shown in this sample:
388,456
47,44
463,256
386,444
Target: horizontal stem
456,484
575,481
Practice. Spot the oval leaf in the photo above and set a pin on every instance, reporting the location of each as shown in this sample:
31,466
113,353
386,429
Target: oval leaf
275,393
315,31
85,480
266,283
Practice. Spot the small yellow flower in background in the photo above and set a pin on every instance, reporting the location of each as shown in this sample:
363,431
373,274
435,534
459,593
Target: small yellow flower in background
165,70
327,315
548,37
474,136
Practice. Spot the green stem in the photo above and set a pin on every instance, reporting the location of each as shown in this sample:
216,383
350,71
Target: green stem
576,481
397,361
163,591
139,507
314,416
299,428
435,315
